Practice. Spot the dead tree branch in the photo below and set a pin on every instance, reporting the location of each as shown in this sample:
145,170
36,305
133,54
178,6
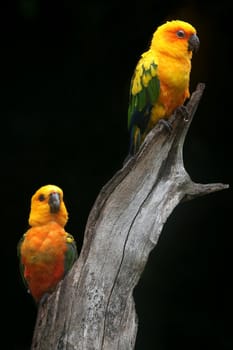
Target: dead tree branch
93,308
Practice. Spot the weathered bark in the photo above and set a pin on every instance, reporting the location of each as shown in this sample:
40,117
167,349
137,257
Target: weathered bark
93,308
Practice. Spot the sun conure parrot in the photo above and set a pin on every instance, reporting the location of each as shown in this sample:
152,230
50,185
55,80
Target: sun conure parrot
46,251
160,83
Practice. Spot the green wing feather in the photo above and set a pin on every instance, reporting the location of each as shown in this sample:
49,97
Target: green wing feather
21,266
144,92
71,253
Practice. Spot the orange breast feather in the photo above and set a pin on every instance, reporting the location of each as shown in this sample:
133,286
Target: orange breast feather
43,253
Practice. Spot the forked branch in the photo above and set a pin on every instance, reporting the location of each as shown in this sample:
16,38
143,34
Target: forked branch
93,308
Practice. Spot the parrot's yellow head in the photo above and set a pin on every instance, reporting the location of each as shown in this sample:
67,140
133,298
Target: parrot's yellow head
47,205
176,38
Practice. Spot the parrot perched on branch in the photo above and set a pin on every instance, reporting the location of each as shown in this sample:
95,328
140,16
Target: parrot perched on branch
46,252
160,83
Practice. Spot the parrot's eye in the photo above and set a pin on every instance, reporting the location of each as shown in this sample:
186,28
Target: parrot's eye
180,33
41,197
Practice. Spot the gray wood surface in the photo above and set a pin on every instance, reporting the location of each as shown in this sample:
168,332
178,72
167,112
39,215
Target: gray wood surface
93,307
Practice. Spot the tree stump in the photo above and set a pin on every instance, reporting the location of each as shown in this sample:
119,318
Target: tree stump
93,307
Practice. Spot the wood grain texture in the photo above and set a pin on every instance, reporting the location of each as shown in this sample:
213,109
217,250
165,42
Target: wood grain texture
93,307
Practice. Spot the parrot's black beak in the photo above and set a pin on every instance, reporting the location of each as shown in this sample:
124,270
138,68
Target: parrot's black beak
193,43
54,202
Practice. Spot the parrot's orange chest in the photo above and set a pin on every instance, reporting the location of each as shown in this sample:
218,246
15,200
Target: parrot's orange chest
43,256
173,75
174,83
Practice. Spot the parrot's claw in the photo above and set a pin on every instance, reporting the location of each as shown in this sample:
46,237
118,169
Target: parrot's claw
43,299
166,124
182,110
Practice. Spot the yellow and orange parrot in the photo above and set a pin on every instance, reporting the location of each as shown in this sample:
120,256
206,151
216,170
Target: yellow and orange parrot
160,83
46,251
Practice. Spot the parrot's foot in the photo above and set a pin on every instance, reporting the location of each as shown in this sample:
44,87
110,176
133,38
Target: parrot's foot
166,124
43,299
182,110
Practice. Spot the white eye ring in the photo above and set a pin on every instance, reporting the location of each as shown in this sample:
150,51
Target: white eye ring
180,33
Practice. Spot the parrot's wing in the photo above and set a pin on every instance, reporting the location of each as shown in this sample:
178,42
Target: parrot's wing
21,266
144,92
71,253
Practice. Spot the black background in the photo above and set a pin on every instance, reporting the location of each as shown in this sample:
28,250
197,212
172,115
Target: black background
65,76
